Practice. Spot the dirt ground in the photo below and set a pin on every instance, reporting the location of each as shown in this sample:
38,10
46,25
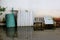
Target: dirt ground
27,33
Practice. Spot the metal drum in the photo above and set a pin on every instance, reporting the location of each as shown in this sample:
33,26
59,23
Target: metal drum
10,24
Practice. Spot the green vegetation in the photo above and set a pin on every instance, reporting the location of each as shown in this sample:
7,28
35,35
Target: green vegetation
2,9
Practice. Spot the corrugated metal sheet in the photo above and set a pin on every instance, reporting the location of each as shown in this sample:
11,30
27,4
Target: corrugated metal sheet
25,18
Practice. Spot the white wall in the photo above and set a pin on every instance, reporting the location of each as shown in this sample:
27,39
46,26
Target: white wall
40,7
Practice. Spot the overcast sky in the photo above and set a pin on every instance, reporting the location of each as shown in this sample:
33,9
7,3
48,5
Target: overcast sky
40,7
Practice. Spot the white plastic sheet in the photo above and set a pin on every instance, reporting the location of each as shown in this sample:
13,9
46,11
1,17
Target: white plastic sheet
48,20
25,18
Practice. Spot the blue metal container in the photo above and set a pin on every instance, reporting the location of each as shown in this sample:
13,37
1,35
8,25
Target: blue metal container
10,21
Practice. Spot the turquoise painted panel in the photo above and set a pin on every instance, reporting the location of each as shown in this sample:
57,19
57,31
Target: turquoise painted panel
10,21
